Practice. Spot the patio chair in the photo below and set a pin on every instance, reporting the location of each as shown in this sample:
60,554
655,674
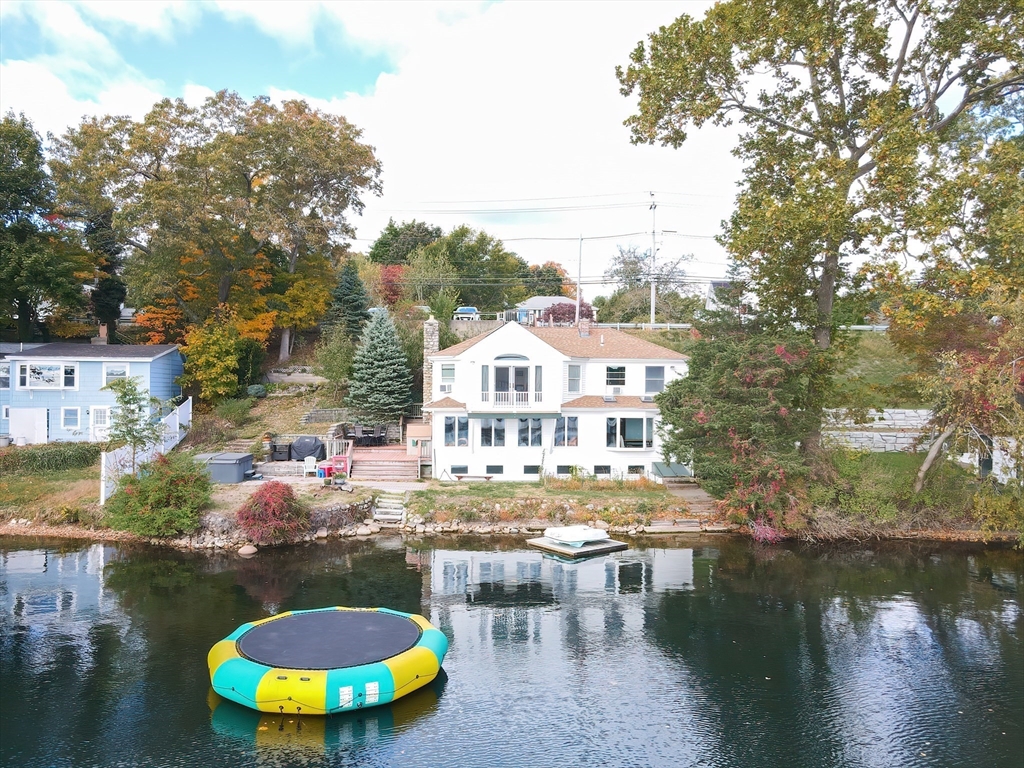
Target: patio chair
309,466
360,438
380,435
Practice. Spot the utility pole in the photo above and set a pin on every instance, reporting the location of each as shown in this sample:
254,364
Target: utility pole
654,250
579,281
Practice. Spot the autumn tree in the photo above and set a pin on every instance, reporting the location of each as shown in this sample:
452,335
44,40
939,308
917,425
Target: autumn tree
229,203
547,279
837,103
429,272
397,242
42,265
565,312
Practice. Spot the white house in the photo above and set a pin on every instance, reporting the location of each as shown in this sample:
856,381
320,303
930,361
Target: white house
521,400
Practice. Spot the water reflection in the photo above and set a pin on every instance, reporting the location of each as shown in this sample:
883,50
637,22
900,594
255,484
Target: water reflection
725,655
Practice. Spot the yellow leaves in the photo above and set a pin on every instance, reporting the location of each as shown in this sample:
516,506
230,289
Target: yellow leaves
257,328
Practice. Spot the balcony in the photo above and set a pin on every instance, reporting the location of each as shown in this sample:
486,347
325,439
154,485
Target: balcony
514,400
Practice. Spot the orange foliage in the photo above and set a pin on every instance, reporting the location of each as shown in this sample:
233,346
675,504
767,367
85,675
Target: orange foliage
164,324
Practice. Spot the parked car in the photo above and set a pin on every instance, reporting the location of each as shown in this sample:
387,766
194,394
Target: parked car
466,313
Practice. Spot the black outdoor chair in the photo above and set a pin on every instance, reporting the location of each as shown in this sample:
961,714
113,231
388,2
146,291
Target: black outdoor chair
380,435
361,439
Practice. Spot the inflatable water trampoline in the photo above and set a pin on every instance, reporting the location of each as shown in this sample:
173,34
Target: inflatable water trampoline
326,660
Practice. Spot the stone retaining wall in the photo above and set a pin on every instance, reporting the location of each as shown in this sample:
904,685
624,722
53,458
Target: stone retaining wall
891,430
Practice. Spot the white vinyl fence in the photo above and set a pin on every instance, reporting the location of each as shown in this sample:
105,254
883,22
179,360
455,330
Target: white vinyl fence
115,464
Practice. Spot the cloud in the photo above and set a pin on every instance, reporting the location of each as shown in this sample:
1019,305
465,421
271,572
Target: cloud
508,102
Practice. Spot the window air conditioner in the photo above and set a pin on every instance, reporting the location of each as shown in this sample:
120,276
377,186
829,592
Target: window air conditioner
616,390
446,388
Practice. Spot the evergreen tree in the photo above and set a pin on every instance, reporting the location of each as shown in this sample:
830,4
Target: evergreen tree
381,384
349,302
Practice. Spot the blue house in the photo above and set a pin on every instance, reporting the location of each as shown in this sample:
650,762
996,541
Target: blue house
53,392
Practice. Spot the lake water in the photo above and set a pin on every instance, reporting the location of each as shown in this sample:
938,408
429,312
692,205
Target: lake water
693,652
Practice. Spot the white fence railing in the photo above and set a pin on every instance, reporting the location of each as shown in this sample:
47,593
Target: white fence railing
115,464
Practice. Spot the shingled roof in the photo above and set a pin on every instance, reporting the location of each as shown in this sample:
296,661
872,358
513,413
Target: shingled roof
444,402
619,403
602,343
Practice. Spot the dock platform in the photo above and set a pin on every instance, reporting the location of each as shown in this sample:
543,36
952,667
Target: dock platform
587,550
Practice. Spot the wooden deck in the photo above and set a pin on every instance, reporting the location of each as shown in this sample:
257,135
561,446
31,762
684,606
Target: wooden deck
385,462
587,550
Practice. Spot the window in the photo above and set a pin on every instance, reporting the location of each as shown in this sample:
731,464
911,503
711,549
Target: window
447,376
536,383
5,375
69,418
566,430
531,469
629,433
47,376
564,469
495,469
492,433
114,371
615,376
485,381
574,378
635,469
603,469
654,378
456,427
529,432
6,412
460,469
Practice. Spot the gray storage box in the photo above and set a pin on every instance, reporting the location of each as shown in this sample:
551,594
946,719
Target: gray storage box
226,467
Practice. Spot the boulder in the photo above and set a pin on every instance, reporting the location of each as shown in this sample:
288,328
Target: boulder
363,530
248,550
321,533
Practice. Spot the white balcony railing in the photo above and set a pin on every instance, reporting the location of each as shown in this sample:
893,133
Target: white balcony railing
511,399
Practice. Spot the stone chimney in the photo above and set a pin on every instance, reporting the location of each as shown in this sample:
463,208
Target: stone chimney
584,327
431,344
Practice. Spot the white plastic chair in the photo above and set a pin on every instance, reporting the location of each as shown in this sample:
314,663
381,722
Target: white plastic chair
309,466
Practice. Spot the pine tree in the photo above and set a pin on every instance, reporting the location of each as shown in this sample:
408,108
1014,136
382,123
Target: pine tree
349,303
381,384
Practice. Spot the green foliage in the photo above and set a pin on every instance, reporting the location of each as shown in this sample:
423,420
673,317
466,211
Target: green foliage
740,414
1001,509
164,499
256,391
349,303
334,353
250,361
48,457
132,420
872,374
106,299
272,514
42,267
235,412
380,387
442,306
633,305
397,242
474,256
843,108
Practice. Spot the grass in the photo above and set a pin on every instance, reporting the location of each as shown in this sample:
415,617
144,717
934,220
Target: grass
617,502
57,497
874,374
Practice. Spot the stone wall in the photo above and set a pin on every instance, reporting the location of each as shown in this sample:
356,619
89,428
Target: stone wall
467,329
894,429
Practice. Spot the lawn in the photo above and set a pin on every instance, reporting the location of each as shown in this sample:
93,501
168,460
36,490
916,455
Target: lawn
49,496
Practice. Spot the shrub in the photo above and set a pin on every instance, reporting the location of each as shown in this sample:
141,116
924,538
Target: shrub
50,457
272,514
235,412
256,390
164,499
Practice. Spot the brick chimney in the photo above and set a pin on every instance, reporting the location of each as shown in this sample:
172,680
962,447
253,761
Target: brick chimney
584,327
102,338
431,344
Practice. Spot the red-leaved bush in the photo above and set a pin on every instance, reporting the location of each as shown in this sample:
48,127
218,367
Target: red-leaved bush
272,514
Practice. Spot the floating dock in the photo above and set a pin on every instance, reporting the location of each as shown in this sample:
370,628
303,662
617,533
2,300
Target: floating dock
574,553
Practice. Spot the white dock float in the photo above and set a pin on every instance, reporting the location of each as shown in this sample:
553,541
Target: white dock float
586,550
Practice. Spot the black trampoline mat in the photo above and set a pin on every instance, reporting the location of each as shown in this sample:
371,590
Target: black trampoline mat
329,639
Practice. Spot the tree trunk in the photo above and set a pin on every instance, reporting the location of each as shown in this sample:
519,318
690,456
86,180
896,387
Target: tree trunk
825,295
286,343
933,452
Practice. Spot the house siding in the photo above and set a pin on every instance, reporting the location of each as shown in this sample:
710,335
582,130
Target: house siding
88,392
591,449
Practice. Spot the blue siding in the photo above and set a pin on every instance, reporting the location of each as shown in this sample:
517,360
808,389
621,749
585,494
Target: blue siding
159,381
164,372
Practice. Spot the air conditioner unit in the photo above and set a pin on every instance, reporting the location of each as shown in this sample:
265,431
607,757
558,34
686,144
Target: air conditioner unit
446,388
616,390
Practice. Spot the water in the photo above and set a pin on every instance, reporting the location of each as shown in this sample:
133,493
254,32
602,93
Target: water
720,654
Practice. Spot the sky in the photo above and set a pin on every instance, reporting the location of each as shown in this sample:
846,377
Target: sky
504,116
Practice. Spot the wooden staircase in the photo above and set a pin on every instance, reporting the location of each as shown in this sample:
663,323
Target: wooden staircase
384,463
